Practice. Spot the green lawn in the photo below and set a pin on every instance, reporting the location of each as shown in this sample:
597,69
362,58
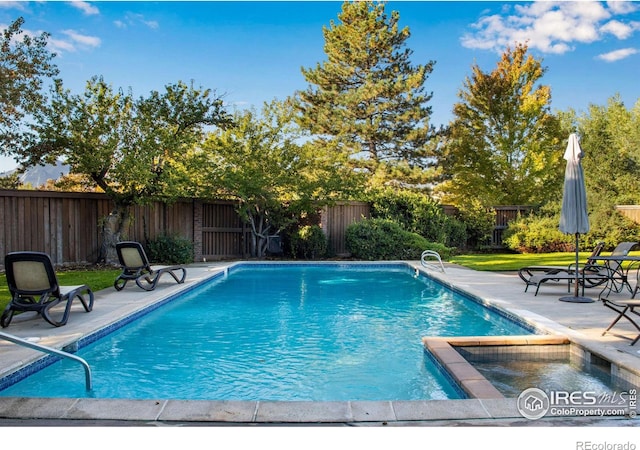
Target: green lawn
514,261
509,262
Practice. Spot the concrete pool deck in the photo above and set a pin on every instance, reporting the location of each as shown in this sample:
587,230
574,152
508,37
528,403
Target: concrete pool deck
582,323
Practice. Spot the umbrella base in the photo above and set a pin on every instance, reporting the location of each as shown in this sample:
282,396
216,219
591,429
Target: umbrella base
576,299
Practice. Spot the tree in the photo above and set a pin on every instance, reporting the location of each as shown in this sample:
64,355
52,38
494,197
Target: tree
25,65
11,181
261,163
610,141
367,100
505,146
132,149
610,138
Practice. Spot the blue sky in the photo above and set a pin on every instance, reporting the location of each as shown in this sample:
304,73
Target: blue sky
251,52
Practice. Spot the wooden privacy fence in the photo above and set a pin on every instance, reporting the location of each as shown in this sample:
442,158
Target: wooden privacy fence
223,233
66,225
504,215
335,220
63,225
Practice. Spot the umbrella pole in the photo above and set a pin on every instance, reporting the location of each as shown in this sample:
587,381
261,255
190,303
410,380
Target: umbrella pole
577,267
577,298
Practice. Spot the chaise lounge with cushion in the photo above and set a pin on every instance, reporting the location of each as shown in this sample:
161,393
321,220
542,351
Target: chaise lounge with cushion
34,287
136,266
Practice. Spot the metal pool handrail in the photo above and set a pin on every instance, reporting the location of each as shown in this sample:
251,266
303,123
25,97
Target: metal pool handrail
433,254
53,351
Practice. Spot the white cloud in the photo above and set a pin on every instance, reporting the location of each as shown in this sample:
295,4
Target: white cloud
132,19
86,7
619,29
617,55
71,41
60,46
14,5
82,39
551,27
622,7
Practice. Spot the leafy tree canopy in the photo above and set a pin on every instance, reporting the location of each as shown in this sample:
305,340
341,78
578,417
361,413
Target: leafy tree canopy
610,139
25,66
505,146
264,163
129,148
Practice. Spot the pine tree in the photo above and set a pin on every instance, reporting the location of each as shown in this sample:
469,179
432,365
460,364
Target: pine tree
367,100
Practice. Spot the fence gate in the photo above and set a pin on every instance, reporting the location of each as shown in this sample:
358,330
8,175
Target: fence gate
224,235
504,215
337,218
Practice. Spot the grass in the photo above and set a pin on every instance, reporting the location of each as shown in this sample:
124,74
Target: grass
504,262
499,262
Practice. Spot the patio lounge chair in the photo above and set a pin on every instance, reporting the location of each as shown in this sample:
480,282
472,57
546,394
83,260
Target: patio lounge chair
624,307
135,266
585,278
34,287
591,275
526,273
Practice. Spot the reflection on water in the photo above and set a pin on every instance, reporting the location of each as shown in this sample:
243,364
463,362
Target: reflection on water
513,377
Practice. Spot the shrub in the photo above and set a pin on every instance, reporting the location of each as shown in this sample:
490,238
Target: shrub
309,242
418,213
382,239
611,228
170,249
533,234
539,234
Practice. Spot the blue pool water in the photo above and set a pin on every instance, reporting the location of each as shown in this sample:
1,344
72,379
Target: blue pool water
283,332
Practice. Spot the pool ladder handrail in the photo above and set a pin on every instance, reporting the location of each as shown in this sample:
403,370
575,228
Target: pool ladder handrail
52,351
433,254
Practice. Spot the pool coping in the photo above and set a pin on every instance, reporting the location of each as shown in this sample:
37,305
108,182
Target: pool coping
263,412
464,373
256,411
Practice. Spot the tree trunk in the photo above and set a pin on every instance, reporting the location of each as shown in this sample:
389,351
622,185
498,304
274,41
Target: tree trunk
259,236
112,229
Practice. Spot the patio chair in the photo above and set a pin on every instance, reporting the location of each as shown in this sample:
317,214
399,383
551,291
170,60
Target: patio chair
613,268
136,266
585,278
591,274
624,307
34,287
526,273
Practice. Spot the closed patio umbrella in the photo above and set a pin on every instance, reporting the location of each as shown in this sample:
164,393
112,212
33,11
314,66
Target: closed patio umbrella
573,217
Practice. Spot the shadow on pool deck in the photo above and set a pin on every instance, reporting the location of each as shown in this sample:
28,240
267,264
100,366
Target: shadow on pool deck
582,323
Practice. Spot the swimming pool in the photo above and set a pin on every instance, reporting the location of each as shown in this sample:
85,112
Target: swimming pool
283,332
